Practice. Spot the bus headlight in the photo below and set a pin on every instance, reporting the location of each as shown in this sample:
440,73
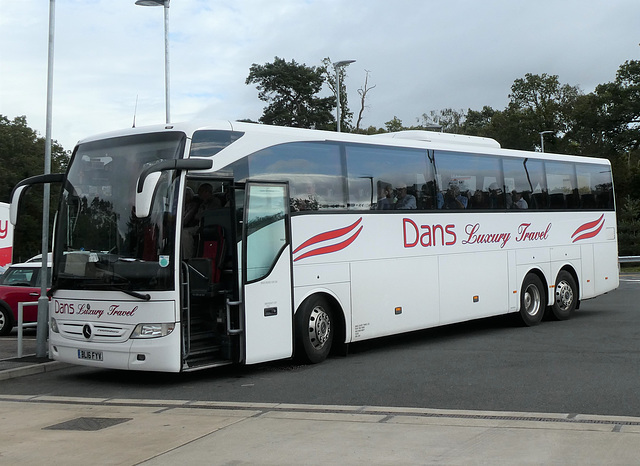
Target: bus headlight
54,326
152,330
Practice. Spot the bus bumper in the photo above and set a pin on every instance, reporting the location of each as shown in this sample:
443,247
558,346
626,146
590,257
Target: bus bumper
161,354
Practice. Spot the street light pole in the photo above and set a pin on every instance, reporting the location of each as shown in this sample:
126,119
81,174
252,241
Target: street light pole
42,324
542,133
164,3
337,65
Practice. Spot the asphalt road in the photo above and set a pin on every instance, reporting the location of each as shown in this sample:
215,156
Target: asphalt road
589,364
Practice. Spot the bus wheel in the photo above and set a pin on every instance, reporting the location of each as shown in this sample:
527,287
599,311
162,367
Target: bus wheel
6,320
531,300
566,296
314,330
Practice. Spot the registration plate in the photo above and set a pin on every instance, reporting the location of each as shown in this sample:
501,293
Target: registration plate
91,355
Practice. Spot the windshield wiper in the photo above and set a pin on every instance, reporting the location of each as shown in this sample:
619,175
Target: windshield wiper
106,286
112,286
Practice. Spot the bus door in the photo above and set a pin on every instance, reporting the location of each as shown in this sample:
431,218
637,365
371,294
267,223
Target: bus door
265,253
209,274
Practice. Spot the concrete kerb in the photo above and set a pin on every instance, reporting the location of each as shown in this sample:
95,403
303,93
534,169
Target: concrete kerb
13,368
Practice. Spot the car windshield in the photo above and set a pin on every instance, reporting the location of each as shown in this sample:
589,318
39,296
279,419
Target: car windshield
100,243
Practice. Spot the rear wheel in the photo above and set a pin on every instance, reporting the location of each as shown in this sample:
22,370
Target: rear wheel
532,300
315,328
566,296
6,320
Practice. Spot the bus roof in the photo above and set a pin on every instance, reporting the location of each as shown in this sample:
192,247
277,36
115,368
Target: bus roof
443,138
272,135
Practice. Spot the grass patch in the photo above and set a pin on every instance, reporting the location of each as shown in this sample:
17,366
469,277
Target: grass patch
631,268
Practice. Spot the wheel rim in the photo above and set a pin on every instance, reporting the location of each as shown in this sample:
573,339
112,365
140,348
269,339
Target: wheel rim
532,300
319,327
2,320
564,295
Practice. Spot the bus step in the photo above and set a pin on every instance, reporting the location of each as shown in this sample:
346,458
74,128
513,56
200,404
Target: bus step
211,358
198,352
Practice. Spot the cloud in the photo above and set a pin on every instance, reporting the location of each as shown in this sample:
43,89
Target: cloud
422,55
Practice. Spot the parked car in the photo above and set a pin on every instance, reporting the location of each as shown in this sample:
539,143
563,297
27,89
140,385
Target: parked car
19,283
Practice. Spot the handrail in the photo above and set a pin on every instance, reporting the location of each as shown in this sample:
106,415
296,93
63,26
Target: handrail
21,323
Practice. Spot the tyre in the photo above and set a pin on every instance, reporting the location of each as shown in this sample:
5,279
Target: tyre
6,320
566,296
315,328
532,300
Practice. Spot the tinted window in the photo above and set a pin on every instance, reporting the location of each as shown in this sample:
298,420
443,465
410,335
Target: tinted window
595,186
562,185
518,189
207,143
467,181
388,178
313,170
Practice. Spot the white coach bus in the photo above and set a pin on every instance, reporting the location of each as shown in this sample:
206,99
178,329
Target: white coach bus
181,247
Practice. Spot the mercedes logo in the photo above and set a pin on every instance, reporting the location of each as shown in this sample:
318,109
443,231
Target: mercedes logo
86,331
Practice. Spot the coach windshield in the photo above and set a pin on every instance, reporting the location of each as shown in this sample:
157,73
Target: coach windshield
100,242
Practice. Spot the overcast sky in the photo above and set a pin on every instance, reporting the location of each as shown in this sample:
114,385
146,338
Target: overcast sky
422,55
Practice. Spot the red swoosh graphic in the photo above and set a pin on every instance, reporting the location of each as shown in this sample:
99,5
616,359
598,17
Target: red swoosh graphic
328,235
333,247
588,235
588,226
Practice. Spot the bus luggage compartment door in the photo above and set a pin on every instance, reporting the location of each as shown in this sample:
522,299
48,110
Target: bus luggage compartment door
266,272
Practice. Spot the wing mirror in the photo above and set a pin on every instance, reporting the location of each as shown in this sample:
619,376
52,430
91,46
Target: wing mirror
149,178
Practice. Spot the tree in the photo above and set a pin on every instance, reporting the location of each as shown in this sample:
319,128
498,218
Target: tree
22,156
362,92
291,90
447,120
540,103
394,125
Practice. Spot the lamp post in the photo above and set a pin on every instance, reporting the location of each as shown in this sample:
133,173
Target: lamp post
43,301
542,133
164,3
337,65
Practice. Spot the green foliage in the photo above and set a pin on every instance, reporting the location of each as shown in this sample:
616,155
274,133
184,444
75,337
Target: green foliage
629,227
291,90
22,156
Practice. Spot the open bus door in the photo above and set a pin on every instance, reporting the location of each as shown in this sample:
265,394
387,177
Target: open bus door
266,299
236,278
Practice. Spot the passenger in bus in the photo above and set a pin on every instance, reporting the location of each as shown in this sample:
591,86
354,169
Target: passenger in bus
191,205
206,200
495,197
478,200
518,201
453,199
405,201
386,202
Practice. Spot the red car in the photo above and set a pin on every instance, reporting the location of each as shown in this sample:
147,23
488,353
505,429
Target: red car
19,283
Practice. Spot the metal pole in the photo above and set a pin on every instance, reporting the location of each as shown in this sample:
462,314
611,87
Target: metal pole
337,65
542,133
166,61
338,94
43,301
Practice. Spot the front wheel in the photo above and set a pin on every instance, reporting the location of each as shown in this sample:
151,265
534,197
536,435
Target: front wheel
6,320
566,296
532,300
314,330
